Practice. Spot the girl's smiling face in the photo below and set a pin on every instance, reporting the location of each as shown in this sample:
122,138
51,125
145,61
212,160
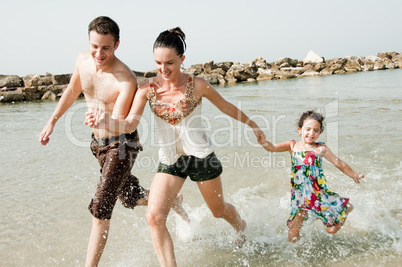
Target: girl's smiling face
310,131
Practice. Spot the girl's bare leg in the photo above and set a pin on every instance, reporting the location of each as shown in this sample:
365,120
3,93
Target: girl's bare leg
295,226
337,227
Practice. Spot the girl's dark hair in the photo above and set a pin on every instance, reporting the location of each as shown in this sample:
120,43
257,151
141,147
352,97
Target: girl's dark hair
173,38
311,114
105,25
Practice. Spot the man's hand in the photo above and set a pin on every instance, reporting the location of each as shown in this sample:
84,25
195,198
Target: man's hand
44,135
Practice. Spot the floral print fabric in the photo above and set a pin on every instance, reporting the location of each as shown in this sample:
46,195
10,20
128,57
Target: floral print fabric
176,111
309,190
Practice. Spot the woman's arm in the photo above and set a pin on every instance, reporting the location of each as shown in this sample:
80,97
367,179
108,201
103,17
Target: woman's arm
204,89
116,125
340,164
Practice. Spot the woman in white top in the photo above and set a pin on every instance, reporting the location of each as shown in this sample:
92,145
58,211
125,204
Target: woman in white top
185,150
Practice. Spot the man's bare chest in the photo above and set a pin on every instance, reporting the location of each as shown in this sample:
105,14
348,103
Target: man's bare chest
103,88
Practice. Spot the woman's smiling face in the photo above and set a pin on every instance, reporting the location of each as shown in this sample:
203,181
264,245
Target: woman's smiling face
167,62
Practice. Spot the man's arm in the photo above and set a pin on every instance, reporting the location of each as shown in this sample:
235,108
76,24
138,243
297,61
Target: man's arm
71,93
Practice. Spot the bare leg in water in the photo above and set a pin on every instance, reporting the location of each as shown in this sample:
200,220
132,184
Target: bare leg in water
212,193
163,191
177,205
337,227
297,223
100,229
295,226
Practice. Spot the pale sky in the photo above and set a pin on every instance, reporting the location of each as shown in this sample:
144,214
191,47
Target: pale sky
46,36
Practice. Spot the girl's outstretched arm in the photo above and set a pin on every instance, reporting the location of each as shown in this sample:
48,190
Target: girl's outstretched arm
340,164
281,147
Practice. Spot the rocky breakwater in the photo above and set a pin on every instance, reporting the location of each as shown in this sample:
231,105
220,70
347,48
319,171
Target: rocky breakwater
51,87
286,68
32,87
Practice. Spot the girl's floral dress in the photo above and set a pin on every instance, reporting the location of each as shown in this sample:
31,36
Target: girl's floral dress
309,190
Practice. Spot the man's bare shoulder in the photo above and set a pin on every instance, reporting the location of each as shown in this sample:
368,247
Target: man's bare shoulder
83,61
144,85
83,56
124,71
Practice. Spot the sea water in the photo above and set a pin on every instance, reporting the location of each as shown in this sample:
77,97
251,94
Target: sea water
45,190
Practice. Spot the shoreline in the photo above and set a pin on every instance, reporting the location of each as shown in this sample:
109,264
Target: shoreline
34,87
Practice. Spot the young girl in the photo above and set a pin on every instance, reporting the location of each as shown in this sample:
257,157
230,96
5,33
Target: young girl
309,191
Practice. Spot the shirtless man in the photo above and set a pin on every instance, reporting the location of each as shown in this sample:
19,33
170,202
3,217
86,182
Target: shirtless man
109,86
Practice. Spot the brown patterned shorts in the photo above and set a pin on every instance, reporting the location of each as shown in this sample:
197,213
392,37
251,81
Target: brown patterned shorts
116,156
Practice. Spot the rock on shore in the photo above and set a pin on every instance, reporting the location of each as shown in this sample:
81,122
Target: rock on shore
51,87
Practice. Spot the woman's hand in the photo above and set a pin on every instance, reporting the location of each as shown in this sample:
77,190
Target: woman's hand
97,120
261,138
90,119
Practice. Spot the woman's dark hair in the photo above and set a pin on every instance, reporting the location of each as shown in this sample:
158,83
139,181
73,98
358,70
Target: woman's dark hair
173,38
311,114
105,25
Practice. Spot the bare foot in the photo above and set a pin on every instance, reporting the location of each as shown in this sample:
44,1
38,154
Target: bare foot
240,236
178,208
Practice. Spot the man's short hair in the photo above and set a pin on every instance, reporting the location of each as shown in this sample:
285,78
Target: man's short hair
105,25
